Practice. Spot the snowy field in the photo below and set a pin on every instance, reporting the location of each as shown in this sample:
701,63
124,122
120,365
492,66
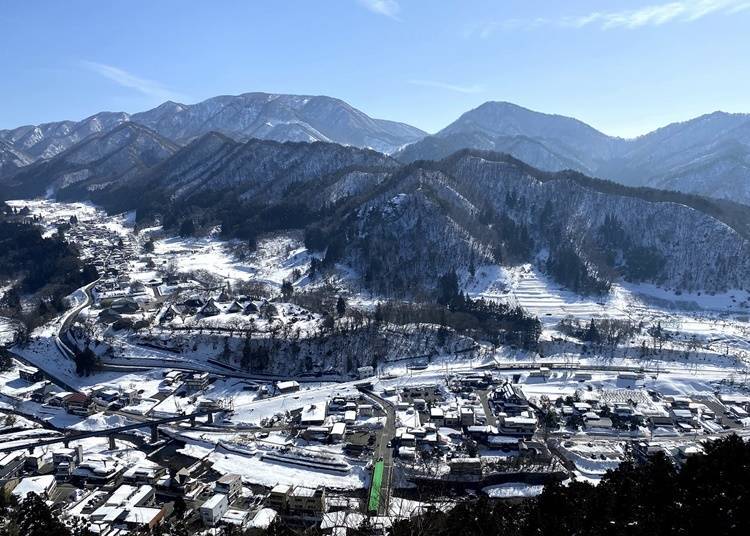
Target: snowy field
526,286
85,212
273,261
7,330
719,322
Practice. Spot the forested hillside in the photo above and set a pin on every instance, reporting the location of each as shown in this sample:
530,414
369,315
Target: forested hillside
402,227
41,271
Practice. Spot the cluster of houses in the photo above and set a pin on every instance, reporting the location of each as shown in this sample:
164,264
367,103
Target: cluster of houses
678,414
76,403
296,505
437,425
334,420
115,497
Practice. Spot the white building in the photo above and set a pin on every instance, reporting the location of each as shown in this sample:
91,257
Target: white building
214,509
338,431
287,386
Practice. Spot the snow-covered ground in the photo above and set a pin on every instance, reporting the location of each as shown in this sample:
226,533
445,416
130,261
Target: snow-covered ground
7,330
54,211
274,260
526,286
511,490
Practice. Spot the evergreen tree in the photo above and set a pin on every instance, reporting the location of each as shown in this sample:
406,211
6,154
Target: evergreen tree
86,361
592,333
246,359
187,227
447,289
340,306
287,290
32,517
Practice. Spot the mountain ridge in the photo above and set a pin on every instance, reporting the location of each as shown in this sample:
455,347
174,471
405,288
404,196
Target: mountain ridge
674,156
297,118
400,226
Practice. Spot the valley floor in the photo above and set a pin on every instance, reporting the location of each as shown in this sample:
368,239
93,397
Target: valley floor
269,433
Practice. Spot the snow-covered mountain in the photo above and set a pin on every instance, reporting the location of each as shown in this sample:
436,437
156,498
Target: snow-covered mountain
279,118
482,208
401,226
119,154
218,169
12,159
242,117
708,155
49,139
551,142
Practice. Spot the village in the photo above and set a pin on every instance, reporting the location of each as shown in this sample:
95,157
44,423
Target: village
145,402
503,435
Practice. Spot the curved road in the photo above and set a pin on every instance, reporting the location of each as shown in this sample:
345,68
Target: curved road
70,317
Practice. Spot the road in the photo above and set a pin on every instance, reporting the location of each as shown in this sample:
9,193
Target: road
70,317
382,450
67,352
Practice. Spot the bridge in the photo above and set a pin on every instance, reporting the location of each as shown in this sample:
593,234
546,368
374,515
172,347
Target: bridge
110,432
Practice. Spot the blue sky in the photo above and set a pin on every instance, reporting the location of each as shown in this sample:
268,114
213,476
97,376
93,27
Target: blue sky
624,67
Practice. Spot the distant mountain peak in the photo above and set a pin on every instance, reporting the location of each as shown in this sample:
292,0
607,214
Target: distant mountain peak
279,117
274,116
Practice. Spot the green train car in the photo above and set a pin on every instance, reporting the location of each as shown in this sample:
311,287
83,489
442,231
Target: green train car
377,482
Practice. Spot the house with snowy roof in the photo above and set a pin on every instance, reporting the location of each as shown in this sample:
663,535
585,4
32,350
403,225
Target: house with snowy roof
235,307
44,486
210,309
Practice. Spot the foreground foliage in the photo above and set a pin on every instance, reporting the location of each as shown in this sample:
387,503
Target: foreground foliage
709,495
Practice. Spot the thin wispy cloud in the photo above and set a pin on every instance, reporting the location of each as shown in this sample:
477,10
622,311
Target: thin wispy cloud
387,8
678,11
657,14
128,80
476,88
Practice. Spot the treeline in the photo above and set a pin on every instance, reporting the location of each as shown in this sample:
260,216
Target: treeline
236,219
448,307
496,322
736,215
567,267
600,331
710,494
